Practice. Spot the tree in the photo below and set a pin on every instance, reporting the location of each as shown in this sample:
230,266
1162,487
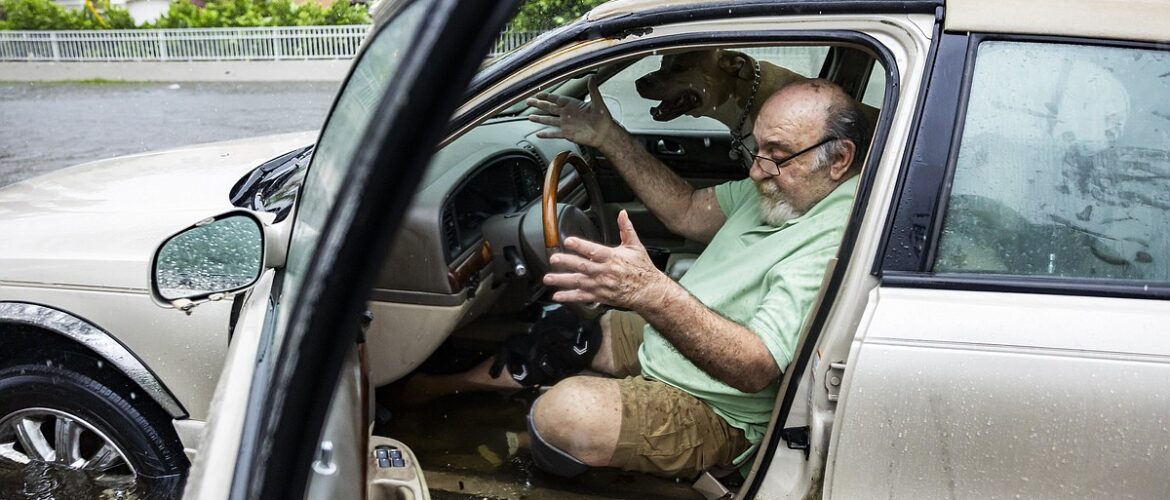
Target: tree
243,13
540,15
46,15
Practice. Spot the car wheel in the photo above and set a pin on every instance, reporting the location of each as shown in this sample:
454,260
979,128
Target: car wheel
62,416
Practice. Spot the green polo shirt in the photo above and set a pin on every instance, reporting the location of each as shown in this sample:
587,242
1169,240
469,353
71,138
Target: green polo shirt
763,277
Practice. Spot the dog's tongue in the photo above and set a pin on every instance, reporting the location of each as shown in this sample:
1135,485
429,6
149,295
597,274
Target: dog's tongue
669,110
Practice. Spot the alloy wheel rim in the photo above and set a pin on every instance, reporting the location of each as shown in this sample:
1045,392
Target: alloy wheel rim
59,438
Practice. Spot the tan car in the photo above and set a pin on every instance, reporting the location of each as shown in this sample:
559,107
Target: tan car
989,327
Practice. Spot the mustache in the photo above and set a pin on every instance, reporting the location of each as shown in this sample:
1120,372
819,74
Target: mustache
775,208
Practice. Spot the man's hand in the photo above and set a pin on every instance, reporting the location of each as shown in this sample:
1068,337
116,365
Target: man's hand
621,276
588,124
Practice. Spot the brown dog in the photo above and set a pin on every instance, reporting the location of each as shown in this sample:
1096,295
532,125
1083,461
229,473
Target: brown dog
716,83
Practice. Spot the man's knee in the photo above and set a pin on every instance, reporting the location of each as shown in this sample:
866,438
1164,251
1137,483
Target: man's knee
582,417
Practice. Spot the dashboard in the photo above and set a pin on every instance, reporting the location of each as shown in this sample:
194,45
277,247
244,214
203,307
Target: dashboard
504,185
495,168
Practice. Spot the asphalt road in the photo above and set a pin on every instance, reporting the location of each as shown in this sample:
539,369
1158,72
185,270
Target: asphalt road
47,126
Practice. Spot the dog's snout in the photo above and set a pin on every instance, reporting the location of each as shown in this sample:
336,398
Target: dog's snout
646,83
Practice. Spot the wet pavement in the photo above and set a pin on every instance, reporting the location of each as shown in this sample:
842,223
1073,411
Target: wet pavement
48,126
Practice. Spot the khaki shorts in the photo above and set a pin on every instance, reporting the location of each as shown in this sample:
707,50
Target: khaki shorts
664,430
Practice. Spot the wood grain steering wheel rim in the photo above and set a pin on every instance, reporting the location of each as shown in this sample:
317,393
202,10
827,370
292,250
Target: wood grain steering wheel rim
548,211
548,202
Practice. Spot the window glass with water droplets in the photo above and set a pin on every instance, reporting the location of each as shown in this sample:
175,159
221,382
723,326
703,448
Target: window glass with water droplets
1064,165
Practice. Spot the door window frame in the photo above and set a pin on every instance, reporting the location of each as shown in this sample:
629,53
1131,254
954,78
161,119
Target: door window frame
911,240
286,426
500,99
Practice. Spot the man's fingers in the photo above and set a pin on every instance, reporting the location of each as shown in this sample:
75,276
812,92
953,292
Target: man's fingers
595,97
551,133
554,121
588,249
626,230
568,281
574,296
562,100
543,105
573,263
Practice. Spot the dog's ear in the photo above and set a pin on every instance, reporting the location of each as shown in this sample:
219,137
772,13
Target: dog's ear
736,63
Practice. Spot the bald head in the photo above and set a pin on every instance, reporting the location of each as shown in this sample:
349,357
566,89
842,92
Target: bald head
826,109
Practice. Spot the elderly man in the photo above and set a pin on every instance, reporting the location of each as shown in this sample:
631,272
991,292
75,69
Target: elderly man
697,383
695,363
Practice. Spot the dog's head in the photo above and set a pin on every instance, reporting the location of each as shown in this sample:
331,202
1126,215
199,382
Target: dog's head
694,82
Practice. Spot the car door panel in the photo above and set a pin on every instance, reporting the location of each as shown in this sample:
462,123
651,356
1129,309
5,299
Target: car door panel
952,403
1009,349
252,339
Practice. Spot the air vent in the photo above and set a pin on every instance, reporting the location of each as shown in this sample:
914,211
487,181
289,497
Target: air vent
531,149
450,232
518,178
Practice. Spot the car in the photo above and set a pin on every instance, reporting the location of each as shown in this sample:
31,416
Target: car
988,328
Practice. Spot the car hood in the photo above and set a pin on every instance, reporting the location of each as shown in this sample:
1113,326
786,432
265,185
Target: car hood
97,225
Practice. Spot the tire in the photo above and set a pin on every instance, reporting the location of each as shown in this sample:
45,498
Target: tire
115,433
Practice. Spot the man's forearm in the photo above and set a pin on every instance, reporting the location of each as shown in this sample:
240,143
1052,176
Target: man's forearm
720,347
666,194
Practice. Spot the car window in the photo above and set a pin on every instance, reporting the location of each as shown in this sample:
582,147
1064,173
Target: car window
342,135
875,87
1063,170
632,112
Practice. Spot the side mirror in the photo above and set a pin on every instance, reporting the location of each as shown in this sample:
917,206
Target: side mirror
211,260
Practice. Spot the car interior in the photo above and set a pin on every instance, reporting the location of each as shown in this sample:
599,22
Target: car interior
464,273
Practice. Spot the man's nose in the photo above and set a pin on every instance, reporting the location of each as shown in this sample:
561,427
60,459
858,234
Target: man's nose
756,173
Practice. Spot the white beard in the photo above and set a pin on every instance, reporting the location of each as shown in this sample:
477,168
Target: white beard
775,210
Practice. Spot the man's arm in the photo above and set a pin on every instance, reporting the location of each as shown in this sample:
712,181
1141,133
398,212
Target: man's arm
624,276
692,213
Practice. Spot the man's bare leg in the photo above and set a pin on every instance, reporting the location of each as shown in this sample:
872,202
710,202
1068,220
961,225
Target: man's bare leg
422,388
581,416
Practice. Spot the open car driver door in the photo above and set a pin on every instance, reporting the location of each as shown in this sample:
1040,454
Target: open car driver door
287,418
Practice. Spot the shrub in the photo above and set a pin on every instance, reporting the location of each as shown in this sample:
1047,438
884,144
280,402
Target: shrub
538,15
47,15
244,13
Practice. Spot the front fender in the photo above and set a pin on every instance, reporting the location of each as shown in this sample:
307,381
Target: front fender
97,341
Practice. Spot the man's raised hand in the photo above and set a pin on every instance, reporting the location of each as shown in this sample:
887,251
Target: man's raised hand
588,124
621,276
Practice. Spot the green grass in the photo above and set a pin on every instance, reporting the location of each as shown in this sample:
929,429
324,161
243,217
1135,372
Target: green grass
96,81
83,81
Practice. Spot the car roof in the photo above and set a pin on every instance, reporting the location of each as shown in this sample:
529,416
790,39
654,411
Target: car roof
1147,20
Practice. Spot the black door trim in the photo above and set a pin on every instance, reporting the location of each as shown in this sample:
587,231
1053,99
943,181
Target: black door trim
324,320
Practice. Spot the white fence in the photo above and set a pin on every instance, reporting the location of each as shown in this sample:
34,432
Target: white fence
201,44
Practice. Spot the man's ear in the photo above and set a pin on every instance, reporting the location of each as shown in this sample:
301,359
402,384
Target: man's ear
839,169
736,63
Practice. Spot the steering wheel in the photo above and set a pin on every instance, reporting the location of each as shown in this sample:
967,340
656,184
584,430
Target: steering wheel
561,220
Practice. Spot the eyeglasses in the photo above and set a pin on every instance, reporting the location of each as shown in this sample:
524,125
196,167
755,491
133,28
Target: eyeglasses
777,163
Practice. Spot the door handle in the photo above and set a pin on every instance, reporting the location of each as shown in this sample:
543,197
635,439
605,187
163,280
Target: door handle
671,149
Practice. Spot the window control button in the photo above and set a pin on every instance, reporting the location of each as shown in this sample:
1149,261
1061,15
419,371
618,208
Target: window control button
398,462
383,463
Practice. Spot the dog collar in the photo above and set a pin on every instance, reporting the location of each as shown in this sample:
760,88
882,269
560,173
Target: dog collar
736,138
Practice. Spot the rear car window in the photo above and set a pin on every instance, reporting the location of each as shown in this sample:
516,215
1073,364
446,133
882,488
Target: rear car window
1064,164
631,109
